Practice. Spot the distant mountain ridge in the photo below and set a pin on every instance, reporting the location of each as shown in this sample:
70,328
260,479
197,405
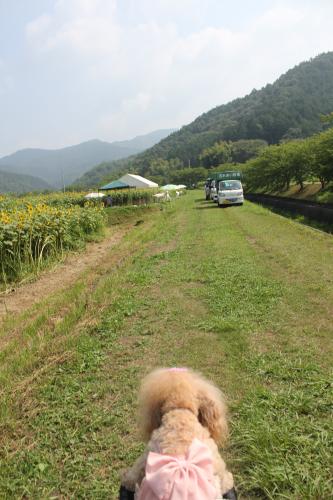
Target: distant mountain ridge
19,183
69,163
288,108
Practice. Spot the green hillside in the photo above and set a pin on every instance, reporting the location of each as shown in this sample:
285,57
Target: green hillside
66,164
19,183
288,108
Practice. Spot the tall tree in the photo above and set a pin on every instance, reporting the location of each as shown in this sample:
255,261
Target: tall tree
321,147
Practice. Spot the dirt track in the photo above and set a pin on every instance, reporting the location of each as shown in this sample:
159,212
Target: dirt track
62,275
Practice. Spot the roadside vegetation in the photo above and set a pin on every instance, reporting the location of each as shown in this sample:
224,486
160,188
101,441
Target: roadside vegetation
242,295
38,229
312,191
293,162
301,167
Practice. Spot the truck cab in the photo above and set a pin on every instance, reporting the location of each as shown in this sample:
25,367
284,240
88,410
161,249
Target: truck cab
225,188
230,192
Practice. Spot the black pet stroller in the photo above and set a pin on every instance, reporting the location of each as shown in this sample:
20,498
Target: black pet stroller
124,494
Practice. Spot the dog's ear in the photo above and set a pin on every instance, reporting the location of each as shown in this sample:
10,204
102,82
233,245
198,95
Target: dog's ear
151,399
152,417
212,412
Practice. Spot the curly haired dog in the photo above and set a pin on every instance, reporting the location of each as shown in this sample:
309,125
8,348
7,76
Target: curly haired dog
183,417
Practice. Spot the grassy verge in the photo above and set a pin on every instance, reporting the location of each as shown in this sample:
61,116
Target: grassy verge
301,219
312,191
241,294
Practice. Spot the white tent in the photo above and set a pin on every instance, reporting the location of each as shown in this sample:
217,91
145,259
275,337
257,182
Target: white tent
94,195
172,187
137,181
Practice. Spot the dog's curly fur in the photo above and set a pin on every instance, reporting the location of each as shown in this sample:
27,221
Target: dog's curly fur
177,406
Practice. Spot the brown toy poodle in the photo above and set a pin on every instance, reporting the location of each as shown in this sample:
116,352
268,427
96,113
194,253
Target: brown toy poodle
183,419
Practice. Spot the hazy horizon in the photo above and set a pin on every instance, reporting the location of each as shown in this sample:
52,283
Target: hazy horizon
77,70
94,139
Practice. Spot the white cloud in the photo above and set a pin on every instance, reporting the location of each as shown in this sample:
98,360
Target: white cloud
84,26
151,70
85,8
38,27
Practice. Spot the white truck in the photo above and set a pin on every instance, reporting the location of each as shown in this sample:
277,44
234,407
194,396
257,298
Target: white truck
230,192
225,188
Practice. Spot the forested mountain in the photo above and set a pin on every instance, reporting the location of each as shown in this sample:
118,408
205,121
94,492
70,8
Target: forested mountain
19,183
288,108
54,166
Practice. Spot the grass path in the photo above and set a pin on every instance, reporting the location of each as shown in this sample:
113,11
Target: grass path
241,294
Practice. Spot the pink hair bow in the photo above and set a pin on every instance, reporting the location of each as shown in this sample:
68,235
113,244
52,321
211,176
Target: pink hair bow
179,478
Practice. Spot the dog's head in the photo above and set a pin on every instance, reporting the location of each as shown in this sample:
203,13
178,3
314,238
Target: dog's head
164,390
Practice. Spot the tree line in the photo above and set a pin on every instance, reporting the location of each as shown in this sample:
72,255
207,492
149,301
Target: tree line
222,154
293,162
270,168
265,168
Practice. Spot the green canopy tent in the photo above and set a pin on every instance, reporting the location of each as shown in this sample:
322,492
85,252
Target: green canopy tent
114,185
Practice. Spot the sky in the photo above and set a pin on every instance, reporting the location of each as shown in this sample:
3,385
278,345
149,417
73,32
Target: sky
75,70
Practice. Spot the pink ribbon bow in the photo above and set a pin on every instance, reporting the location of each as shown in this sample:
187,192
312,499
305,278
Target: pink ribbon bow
179,478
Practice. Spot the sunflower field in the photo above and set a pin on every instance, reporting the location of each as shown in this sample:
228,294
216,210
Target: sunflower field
56,199
36,228
32,234
70,199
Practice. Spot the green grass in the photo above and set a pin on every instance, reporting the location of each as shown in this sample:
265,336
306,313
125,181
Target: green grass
301,219
119,215
242,295
282,429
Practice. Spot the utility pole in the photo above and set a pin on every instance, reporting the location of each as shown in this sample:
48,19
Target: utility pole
189,163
